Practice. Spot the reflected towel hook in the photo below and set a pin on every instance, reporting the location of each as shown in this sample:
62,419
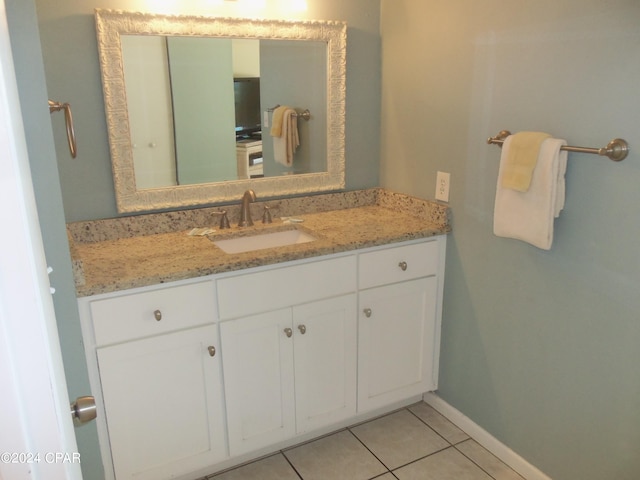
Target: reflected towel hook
71,136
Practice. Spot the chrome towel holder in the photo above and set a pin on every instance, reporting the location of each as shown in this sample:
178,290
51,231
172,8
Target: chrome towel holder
71,135
617,149
305,114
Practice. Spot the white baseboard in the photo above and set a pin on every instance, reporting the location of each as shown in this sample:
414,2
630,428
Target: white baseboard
484,438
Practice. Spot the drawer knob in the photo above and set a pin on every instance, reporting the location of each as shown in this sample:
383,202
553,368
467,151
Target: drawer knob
212,350
367,312
403,265
158,315
288,332
303,329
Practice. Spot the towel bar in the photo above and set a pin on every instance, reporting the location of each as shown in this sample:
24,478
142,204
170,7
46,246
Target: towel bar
617,149
306,114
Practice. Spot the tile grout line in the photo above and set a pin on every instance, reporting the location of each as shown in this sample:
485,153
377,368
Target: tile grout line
455,445
451,444
431,428
471,459
291,465
480,466
349,429
422,458
384,474
369,450
386,467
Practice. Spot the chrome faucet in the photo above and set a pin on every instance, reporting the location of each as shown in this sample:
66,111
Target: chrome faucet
245,214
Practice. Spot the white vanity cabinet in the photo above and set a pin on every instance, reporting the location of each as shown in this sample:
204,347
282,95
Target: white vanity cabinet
399,322
290,368
155,369
199,373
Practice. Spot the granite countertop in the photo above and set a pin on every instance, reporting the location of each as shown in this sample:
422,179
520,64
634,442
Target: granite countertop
117,254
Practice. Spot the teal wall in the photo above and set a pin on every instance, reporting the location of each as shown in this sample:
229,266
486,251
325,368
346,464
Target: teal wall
70,54
540,348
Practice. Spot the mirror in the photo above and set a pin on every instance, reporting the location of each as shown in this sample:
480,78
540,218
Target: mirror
300,64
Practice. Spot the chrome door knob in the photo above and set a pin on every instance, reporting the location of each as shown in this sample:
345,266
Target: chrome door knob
403,265
288,332
157,315
367,312
303,329
84,410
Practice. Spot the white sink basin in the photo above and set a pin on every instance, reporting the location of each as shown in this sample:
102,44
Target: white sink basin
263,240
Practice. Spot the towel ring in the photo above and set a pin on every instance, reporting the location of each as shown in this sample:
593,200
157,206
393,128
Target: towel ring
71,135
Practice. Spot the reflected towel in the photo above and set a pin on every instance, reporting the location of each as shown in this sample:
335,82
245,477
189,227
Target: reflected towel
522,159
529,216
276,121
284,146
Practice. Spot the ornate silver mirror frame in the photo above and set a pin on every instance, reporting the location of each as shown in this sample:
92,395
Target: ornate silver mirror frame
111,24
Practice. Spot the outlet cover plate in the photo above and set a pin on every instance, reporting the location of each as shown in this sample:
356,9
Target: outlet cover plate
442,186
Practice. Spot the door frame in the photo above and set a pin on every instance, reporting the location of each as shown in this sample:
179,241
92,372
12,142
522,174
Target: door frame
38,439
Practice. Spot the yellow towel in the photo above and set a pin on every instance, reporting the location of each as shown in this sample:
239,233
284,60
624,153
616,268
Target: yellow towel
284,146
522,159
276,121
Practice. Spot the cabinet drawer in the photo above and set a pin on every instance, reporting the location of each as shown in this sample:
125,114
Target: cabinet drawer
396,264
131,316
283,287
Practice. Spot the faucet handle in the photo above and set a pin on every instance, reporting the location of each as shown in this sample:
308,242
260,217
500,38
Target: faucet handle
224,220
266,215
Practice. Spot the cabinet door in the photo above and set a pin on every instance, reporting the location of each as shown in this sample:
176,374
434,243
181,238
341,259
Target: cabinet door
163,402
396,342
258,372
325,364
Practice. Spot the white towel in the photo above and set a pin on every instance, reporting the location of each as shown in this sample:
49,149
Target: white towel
285,145
529,216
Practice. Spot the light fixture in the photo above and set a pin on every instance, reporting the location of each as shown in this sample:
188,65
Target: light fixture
253,4
297,5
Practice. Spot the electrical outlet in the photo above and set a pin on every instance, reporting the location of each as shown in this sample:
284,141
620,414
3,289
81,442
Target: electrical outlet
442,186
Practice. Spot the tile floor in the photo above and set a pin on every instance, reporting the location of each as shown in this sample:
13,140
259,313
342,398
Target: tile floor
415,443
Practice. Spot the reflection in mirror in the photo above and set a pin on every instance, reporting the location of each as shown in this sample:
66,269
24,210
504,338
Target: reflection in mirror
190,105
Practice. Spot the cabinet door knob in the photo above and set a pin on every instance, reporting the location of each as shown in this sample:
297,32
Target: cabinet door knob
367,312
158,315
403,265
303,329
288,332
212,350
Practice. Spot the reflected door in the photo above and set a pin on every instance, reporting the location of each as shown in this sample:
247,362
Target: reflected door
148,88
204,121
